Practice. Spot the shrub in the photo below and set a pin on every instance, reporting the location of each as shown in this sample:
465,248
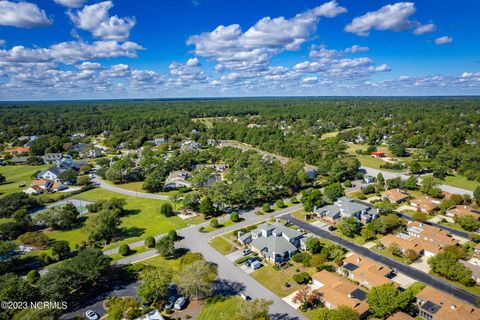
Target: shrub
302,257
348,183
293,200
33,276
242,260
301,278
172,234
266,207
167,210
35,239
279,203
201,229
234,217
214,223
150,242
124,250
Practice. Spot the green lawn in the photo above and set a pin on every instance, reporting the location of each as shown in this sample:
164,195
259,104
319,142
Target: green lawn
460,182
135,251
300,215
16,174
357,239
142,220
223,224
159,261
137,186
221,245
220,308
274,280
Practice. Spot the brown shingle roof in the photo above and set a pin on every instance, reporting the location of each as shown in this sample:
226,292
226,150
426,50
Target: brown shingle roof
369,273
395,195
460,211
400,316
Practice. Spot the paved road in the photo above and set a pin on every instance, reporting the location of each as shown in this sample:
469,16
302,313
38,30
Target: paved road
131,193
456,232
409,271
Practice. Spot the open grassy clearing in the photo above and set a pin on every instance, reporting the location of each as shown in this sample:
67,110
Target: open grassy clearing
159,261
142,219
223,224
220,308
135,251
222,245
208,121
460,181
16,174
275,280
137,187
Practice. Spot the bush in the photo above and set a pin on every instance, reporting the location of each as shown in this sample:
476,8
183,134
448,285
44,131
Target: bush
293,200
234,216
167,210
242,260
266,207
172,234
301,278
33,276
348,183
150,242
201,229
124,250
214,223
279,203
302,257
61,248
35,239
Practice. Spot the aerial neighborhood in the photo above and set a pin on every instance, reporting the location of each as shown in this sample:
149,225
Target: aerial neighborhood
354,230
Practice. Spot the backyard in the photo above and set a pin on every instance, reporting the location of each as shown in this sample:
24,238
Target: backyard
16,174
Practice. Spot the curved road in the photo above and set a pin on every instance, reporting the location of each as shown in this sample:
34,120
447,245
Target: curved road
103,184
409,271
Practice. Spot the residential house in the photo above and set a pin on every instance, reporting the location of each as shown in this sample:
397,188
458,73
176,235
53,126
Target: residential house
151,315
474,268
365,271
378,154
52,157
17,150
45,184
18,160
337,291
80,147
93,153
159,141
425,204
219,167
345,208
368,179
395,196
50,174
189,145
461,211
436,305
212,142
476,250
33,190
177,179
438,236
406,242
274,241
399,315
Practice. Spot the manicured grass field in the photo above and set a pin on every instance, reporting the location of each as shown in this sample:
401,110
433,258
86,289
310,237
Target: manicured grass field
460,182
135,251
221,245
357,239
16,174
274,280
159,261
300,215
142,220
222,308
137,186
223,224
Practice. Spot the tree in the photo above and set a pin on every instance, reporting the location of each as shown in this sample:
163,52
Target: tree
122,308
124,250
154,285
61,284
59,217
384,300
420,216
165,247
410,255
313,245
2,179
33,276
69,175
22,216
294,200
367,234
349,227
334,191
266,207
279,203
234,217
256,309
380,181
410,183
446,264
15,288
16,201
176,199
150,242
308,298
415,167
60,249
196,279
468,222
206,207
476,195
167,210
155,180
311,198
35,239
214,223
90,263
341,313
103,226
429,185
172,234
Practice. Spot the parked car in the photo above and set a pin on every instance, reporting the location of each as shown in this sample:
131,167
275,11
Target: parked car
246,252
170,302
249,261
245,297
92,315
180,303
256,265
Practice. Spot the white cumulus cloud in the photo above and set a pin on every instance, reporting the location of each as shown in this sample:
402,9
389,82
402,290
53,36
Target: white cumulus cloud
70,3
424,28
443,40
22,15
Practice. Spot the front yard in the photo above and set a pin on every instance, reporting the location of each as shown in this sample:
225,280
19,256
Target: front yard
222,245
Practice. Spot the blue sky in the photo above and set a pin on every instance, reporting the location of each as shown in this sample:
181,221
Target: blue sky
83,49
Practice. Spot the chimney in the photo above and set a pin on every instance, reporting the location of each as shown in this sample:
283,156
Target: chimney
453,307
359,259
349,295
421,224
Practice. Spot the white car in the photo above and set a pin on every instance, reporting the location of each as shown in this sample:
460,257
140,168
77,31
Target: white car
92,315
180,303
